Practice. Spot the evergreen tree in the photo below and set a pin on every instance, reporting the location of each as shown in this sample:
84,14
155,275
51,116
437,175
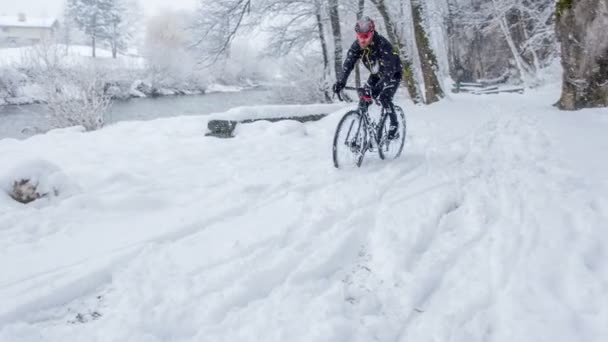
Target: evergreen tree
91,16
120,21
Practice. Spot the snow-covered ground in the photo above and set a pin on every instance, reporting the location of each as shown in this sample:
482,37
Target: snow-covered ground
76,55
492,226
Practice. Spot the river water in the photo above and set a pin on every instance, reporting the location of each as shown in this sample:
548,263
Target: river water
24,121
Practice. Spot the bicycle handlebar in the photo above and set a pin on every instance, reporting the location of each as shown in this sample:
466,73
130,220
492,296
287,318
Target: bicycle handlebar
360,92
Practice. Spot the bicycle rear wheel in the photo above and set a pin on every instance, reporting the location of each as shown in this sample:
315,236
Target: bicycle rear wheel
392,148
350,140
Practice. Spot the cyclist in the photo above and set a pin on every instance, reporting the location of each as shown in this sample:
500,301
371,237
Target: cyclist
383,63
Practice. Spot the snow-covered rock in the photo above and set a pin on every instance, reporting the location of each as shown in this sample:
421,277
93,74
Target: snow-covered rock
165,92
215,88
35,179
21,100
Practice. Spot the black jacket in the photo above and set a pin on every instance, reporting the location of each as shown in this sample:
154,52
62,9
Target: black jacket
379,58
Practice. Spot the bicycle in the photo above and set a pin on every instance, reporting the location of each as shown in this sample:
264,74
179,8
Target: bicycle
363,134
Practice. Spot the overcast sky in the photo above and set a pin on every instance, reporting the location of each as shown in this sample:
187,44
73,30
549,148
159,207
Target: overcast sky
50,8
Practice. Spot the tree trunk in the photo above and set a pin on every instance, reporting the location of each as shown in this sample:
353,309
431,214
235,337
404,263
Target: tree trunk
334,17
522,66
428,60
324,50
360,9
581,29
93,45
525,71
114,40
535,59
408,75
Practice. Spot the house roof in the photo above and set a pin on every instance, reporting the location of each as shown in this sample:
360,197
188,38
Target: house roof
13,21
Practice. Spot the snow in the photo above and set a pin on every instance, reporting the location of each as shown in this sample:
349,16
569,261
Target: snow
47,177
13,21
223,88
77,55
492,226
275,111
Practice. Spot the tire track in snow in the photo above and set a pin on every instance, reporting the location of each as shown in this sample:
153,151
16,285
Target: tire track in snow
470,194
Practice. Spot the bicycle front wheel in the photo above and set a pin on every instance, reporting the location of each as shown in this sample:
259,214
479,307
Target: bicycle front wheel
392,148
350,141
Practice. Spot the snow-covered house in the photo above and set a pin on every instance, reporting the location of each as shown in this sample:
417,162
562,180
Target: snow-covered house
23,30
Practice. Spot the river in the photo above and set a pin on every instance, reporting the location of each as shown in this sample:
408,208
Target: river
24,121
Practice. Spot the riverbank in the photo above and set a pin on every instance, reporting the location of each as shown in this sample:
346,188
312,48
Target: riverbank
28,74
33,93
21,122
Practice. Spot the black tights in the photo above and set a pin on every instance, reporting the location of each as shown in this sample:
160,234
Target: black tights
385,96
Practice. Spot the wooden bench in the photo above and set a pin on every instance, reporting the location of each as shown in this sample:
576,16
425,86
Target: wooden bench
222,125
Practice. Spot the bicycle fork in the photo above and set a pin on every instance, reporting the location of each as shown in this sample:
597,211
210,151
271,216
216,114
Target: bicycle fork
353,143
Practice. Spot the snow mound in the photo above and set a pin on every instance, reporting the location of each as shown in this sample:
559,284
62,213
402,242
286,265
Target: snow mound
276,111
220,88
35,179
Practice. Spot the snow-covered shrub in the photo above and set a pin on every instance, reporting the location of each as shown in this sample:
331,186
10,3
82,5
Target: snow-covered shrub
10,82
77,98
44,57
33,180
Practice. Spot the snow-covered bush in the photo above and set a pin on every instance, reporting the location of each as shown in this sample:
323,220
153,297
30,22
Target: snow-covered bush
10,82
77,98
39,59
33,180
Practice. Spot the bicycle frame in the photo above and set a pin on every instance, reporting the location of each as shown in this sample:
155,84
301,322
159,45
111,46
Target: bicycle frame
375,137
373,128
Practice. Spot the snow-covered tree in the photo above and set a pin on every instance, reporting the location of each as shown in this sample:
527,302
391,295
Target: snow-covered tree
397,38
428,60
216,25
91,16
122,19
488,37
582,29
165,49
304,27
111,21
334,19
66,30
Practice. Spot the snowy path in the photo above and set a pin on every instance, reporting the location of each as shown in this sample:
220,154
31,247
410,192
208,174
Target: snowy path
492,227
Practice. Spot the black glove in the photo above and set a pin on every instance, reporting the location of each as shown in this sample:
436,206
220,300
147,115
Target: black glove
338,86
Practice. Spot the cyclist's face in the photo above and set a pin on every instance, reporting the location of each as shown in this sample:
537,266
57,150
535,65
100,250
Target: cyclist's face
364,39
